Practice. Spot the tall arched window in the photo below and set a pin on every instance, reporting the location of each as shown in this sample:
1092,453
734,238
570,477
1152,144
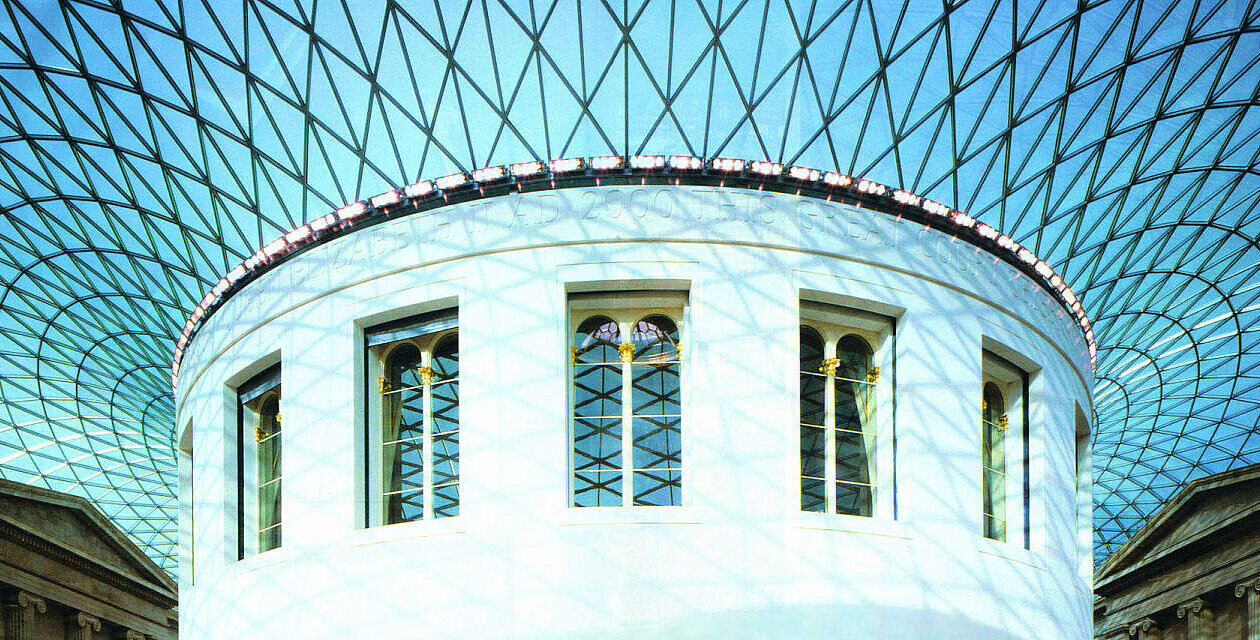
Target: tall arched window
855,379
402,436
1006,501
838,430
993,425
627,407
840,416
813,423
415,420
259,469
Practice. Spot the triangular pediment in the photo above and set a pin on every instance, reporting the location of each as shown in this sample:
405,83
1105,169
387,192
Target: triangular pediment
1204,508
75,526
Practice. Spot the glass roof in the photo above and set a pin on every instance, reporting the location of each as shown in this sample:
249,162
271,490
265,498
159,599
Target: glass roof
146,150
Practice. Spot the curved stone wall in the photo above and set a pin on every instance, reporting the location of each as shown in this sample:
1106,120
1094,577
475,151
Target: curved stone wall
738,557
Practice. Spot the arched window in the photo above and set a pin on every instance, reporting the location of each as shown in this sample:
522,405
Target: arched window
444,433
597,414
838,430
259,454
657,412
813,423
627,407
855,380
267,435
993,425
402,436
841,418
415,420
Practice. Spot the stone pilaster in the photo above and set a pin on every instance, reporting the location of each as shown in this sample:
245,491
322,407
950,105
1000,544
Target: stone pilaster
20,608
1250,590
1200,623
1145,629
82,626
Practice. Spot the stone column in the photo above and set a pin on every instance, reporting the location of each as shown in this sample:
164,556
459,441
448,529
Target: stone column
19,614
1145,629
1250,590
82,626
1199,620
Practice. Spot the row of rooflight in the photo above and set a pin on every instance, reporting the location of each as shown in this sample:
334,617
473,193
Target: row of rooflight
349,214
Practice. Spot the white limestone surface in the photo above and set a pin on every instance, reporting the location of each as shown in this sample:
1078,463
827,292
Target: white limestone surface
738,559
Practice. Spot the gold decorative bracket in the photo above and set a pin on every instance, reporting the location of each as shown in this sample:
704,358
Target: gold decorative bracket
872,376
829,367
626,349
259,434
1002,422
426,375
573,353
382,384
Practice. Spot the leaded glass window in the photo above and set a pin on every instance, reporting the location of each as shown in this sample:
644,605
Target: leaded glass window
842,419
626,433
415,420
259,464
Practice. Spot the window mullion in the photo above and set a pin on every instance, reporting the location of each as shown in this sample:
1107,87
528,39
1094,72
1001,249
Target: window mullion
829,426
426,455
627,425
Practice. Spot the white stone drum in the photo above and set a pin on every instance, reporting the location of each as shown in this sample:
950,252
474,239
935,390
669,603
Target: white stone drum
789,501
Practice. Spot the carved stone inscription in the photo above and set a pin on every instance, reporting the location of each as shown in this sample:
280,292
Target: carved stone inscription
697,213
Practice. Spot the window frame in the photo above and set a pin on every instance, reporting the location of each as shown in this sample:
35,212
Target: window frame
377,357
833,323
626,308
188,504
1084,493
1013,382
259,387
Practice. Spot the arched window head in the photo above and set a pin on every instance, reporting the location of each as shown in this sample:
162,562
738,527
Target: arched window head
402,367
655,340
268,416
994,405
597,340
853,354
446,357
811,350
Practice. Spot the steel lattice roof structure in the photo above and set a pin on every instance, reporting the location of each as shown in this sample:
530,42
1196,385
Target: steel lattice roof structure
146,148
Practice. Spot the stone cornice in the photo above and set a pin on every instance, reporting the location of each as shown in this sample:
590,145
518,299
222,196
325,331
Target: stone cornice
44,547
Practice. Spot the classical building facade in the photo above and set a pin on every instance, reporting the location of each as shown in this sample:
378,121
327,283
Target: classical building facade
67,573
635,410
1193,571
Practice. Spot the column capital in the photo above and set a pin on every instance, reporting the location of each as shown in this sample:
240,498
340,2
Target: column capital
1143,626
88,620
22,600
128,634
1195,606
1251,584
